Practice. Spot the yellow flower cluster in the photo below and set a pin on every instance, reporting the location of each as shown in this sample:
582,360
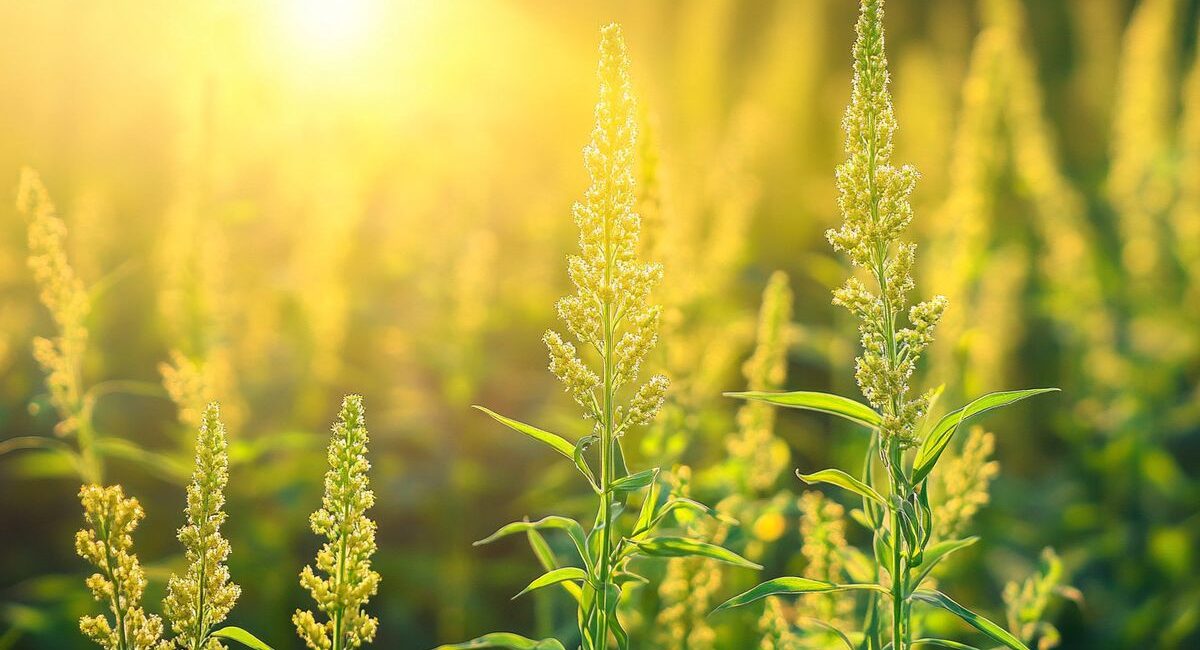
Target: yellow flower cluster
203,596
346,557
609,311
1143,112
1027,603
776,627
63,294
823,531
186,385
686,591
753,449
107,543
960,486
873,196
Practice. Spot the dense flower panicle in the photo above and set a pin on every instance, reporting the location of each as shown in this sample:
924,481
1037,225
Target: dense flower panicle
873,196
609,311
754,449
823,529
346,557
776,627
107,543
188,388
960,486
1026,603
203,595
63,294
1185,219
687,590
1143,111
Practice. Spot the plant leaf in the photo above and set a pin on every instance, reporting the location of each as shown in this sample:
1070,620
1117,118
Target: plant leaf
505,640
829,628
976,621
943,643
634,482
572,527
553,440
243,637
684,547
842,407
792,585
546,558
936,553
936,440
841,479
554,577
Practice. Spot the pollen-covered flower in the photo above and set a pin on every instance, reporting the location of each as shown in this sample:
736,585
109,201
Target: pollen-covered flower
609,311
754,451
107,543
823,529
874,198
203,595
1028,603
776,627
346,558
960,485
63,294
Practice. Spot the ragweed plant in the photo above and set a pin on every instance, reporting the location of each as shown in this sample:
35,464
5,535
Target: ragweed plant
60,357
1027,603
346,557
107,543
873,196
202,597
611,317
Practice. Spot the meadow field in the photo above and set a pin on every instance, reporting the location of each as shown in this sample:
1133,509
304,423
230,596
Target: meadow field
341,323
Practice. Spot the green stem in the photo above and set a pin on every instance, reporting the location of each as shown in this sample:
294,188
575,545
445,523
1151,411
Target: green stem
339,613
122,641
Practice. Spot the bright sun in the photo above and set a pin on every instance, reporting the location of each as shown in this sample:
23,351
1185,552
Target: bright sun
329,29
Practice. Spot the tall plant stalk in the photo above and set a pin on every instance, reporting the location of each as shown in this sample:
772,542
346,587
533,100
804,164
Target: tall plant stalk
874,200
610,316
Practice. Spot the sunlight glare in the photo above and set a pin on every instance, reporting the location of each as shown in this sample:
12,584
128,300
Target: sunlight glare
329,29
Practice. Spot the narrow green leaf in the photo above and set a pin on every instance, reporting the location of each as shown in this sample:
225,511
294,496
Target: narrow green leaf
936,440
841,479
634,482
808,620
683,547
843,407
555,441
546,558
938,552
943,643
976,621
241,636
505,640
166,467
572,528
627,577
554,577
792,585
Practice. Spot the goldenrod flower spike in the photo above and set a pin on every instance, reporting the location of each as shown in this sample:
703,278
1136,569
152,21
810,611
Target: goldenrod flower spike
203,596
63,294
873,196
346,558
609,311
107,544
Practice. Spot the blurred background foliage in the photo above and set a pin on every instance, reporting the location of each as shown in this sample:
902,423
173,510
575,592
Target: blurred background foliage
275,203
